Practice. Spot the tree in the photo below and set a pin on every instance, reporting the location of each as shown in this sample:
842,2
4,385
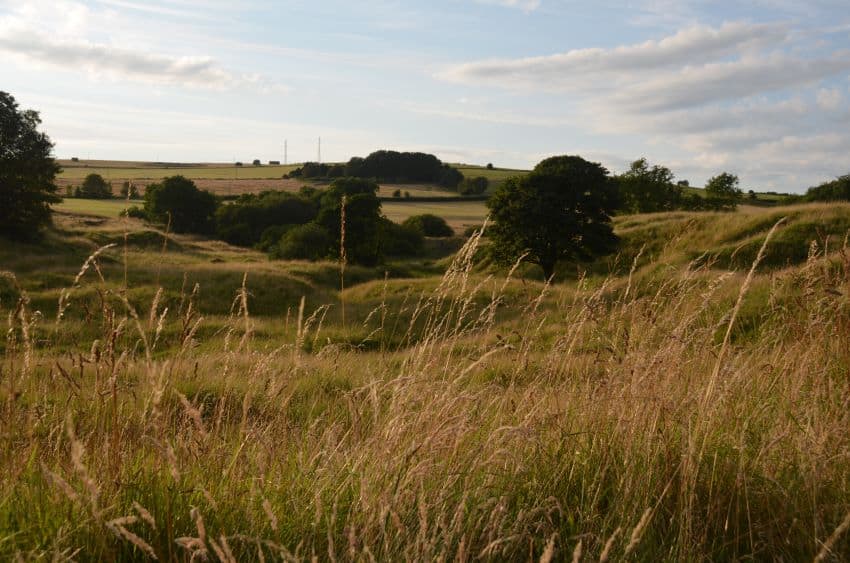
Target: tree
645,189
95,187
560,211
834,190
429,225
723,191
304,242
179,202
362,218
27,172
474,186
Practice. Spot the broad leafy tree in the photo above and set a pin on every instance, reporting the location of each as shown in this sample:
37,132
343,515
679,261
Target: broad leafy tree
95,187
176,200
723,191
646,189
362,218
560,211
27,172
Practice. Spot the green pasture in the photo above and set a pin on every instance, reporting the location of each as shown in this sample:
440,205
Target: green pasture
144,171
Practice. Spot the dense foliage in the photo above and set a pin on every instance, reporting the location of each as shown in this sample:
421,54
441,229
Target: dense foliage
646,189
94,186
386,166
724,190
245,221
560,211
178,202
474,186
27,172
429,225
304,242
835,190
362,218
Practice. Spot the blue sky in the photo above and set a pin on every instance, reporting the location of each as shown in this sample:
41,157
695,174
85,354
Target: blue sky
759,88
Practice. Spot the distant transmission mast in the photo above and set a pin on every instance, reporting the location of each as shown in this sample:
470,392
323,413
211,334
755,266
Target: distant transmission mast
320,150
285,150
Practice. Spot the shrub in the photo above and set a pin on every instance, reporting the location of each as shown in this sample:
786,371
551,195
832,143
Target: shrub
429,225
135,212
179,202
95,187
244,221
474,186
400,240
304,242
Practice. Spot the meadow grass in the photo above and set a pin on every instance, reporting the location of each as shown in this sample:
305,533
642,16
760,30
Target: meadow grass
154,172
467,416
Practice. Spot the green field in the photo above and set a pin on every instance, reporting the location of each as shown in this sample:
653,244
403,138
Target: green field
497,176
458,214
116,170
100,207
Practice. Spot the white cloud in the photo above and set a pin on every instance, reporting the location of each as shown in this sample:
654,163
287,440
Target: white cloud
524,5
743,97
584,68
830,99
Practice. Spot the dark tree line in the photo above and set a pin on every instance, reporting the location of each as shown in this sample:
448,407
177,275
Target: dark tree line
303,225
387,166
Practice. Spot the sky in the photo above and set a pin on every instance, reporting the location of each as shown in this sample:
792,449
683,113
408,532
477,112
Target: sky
758,88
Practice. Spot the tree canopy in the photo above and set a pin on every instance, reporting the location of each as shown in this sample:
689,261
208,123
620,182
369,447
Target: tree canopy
27,172
723,190
834,190
647,189
362,218
386,166
176,200
95,187
560,211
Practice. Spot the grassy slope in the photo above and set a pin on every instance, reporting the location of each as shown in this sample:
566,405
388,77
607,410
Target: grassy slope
610,411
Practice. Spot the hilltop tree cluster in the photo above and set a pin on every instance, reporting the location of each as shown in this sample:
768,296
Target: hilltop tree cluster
387,166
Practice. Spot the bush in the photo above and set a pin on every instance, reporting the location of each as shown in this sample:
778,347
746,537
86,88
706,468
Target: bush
135,212
400,240
304,242
95,187
257,162
244,221
474,186
179,202
429,225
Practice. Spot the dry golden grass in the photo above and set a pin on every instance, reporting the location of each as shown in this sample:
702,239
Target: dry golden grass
649,417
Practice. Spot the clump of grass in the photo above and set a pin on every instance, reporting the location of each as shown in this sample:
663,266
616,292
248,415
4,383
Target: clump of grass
497,420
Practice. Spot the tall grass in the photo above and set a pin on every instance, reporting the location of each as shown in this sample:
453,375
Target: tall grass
598,422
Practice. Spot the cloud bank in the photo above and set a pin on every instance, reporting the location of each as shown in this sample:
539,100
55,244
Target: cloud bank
743,96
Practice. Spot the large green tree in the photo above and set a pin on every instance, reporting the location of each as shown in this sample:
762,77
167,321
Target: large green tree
27,172
176,200
723,191
646,189
95,186
362,218
560,211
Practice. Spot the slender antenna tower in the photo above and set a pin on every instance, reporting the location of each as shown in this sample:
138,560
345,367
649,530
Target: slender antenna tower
320,150
285,149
